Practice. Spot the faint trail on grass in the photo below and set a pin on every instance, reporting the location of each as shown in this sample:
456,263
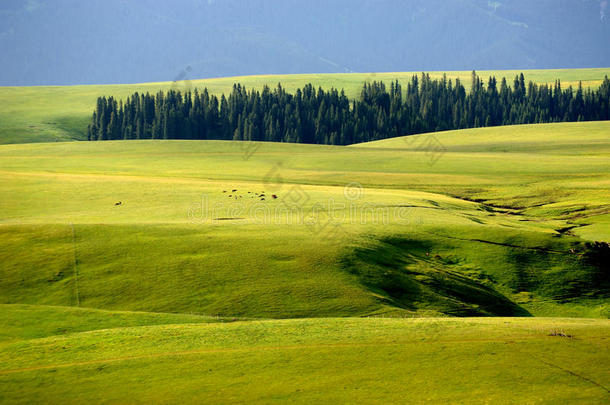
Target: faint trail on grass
572,373
77,293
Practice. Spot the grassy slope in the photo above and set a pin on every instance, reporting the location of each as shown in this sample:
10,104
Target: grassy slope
324,361
542,170
23,322
66,243
435,252
52,113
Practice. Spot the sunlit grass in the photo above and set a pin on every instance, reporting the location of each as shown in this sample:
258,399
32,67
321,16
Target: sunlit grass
133,272
323,360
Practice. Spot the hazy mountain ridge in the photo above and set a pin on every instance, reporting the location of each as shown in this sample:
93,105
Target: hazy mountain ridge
72,42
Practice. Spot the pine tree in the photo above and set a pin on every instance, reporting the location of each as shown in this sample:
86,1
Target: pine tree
317,116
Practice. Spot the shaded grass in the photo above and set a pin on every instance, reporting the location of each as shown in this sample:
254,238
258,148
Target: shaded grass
411,275
246,271
184,269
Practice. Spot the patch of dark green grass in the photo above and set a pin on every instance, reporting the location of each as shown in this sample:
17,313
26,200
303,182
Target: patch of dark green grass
412,276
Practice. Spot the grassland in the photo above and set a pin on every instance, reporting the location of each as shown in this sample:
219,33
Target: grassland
24,322
503,360
341,289
61,113
491,225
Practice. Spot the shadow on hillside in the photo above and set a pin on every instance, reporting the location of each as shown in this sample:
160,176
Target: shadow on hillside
409,275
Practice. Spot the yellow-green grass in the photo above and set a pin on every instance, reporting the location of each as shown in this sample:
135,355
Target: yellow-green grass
474,361
156,299
177,243
60,113
559,171
22,322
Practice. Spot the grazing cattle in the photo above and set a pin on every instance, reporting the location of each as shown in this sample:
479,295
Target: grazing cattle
274,197
224,191
119,203
234,190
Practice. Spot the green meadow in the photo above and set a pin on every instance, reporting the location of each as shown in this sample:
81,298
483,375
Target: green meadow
454,267
455,360
61,113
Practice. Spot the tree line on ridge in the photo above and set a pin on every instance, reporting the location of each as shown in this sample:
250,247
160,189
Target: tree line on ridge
319,116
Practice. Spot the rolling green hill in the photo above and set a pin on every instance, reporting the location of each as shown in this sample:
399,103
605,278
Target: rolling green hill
473,361
24,322
61,113
496,222
164,271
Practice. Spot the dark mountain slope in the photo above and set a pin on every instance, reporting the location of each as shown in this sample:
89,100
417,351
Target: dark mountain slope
111,41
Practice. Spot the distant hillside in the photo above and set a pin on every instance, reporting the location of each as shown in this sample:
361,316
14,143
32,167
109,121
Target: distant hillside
61,113
116,41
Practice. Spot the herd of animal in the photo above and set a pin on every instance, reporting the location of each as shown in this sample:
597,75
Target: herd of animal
262,195
234,194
